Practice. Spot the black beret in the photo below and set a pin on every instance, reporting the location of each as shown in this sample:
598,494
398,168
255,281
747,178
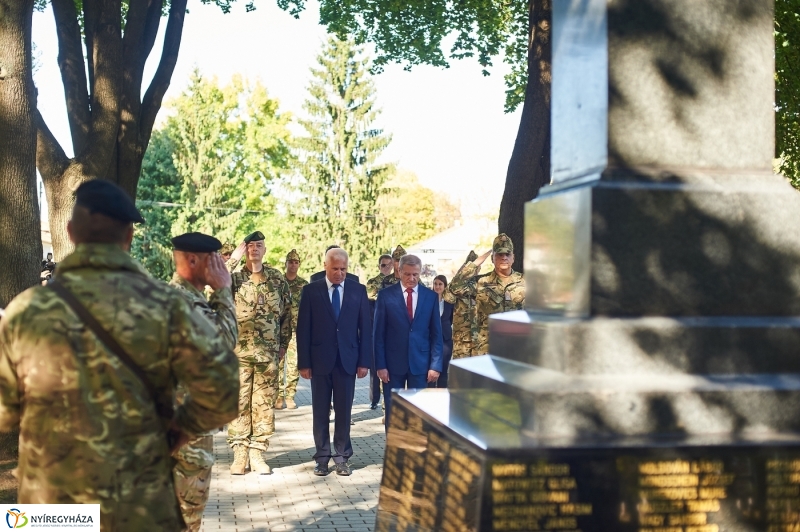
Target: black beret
104,197
196,243
254,236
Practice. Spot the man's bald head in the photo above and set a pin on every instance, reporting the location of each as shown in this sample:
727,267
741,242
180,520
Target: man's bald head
86,227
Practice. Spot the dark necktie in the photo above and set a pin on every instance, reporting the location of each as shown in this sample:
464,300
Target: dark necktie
336,302
409,304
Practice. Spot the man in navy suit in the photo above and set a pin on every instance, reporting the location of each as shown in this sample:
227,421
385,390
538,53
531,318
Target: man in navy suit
407,333
334,345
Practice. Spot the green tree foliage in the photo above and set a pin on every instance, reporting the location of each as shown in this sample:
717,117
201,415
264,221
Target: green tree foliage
340,174
213,168
413,212
159,184
415,32
787,88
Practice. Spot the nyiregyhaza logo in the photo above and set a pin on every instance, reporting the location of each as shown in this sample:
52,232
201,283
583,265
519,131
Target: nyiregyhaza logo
16,518
54,517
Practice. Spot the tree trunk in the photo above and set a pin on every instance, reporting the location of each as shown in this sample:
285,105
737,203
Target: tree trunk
529,167
20,228
111,135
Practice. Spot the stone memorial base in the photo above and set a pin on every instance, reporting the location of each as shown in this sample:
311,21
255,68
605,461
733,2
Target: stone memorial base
457,461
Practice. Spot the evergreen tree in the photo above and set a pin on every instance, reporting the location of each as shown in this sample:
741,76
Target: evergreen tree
158,184
341,176
215,165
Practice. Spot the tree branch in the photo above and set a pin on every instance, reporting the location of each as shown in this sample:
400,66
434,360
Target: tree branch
150,30
107,54
169,56
50,157
73,74
90,17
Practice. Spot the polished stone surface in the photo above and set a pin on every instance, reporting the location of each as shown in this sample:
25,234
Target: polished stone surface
690,83
658,243
683,84
650,345
548,404
460,468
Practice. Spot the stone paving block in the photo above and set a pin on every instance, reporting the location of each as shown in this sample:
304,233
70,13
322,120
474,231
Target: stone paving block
292,499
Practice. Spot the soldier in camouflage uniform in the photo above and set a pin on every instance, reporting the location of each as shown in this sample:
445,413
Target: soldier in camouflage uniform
90,431
196,265
499,291
226,250
464,328
389,280
264,313
386,265
288,367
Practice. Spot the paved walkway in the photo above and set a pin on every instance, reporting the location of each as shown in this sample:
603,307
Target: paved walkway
292,498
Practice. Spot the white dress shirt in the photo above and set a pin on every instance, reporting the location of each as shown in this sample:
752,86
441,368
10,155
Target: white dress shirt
330,292
441,307
414,297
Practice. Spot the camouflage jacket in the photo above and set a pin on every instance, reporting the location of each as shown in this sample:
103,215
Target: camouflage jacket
263,310
492,294
374,286
387,281
89,431
465,330
295,287
218,308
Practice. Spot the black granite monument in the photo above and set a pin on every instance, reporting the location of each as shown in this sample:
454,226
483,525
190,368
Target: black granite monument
653,383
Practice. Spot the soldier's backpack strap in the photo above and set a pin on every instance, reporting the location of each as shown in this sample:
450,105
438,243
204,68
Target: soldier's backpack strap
165,411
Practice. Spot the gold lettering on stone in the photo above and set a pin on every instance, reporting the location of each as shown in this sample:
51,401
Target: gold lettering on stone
538,496
679,495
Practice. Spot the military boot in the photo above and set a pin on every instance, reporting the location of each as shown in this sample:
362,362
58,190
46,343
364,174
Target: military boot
239,460
290,404
279,403
257,463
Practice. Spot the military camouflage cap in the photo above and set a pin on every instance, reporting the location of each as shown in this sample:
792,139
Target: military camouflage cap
254,237
502,244
472,256
398,252
293,255
227,248
104,197
196,243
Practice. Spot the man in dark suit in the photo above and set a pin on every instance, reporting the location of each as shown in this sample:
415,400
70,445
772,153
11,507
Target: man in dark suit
408,333
334,345
321,275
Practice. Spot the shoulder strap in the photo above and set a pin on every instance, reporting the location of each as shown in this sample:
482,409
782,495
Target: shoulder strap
103,335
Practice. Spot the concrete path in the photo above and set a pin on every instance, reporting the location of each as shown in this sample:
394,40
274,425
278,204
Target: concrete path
292,498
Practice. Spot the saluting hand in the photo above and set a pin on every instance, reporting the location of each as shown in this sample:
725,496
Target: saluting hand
217,276
480,260
238,253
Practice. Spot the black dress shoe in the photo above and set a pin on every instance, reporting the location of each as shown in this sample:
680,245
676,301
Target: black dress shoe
373,406
343,469
321,470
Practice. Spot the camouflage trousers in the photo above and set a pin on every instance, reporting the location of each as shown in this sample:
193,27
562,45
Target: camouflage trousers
461,349
192,476
258,387
289,376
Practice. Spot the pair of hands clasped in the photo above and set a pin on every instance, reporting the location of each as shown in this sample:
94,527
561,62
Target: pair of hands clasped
360,373
383,374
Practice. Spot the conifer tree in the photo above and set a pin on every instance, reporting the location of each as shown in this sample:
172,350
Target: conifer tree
341,175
